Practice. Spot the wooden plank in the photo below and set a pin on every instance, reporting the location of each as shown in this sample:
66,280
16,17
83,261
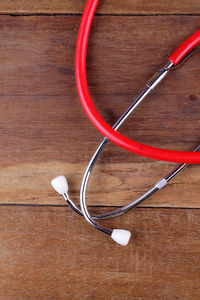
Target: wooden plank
48,253
44,131
111,184
105,7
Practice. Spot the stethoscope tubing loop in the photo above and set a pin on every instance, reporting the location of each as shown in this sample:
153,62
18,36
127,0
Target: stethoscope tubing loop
94,116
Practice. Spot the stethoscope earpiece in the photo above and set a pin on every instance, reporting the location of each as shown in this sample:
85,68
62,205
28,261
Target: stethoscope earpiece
121,236
60,184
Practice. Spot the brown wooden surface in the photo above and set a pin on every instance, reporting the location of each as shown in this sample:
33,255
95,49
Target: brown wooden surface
44,131
46,253
105,7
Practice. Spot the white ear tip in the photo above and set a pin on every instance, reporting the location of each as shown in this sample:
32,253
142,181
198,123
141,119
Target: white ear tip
121,236
60,184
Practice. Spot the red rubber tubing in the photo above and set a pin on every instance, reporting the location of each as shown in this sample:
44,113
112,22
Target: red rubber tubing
185,48
94,116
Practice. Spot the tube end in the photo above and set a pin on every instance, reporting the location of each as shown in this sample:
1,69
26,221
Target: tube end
121,236
60,184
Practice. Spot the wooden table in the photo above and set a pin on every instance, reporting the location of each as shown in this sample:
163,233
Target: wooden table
46,251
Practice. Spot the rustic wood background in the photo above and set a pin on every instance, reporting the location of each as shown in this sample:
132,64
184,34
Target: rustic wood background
46,251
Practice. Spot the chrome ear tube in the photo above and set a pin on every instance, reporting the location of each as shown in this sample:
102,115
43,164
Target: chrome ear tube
120,236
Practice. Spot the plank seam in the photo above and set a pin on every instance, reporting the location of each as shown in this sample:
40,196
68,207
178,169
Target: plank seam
97,14
92,206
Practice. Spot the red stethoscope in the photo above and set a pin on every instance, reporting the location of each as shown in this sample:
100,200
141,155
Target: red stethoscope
59,183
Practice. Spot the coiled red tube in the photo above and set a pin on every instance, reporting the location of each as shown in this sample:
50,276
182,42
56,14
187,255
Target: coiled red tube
94,116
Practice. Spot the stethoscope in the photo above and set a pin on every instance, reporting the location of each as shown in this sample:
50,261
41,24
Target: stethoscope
59,183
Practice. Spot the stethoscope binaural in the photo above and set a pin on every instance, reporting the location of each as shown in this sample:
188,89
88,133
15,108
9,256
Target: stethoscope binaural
59,183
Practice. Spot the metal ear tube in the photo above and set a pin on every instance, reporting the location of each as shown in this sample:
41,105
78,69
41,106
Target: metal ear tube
121,237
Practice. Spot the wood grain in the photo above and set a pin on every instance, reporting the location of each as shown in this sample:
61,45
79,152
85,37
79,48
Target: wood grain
48,253
111,184
105,7
44,131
